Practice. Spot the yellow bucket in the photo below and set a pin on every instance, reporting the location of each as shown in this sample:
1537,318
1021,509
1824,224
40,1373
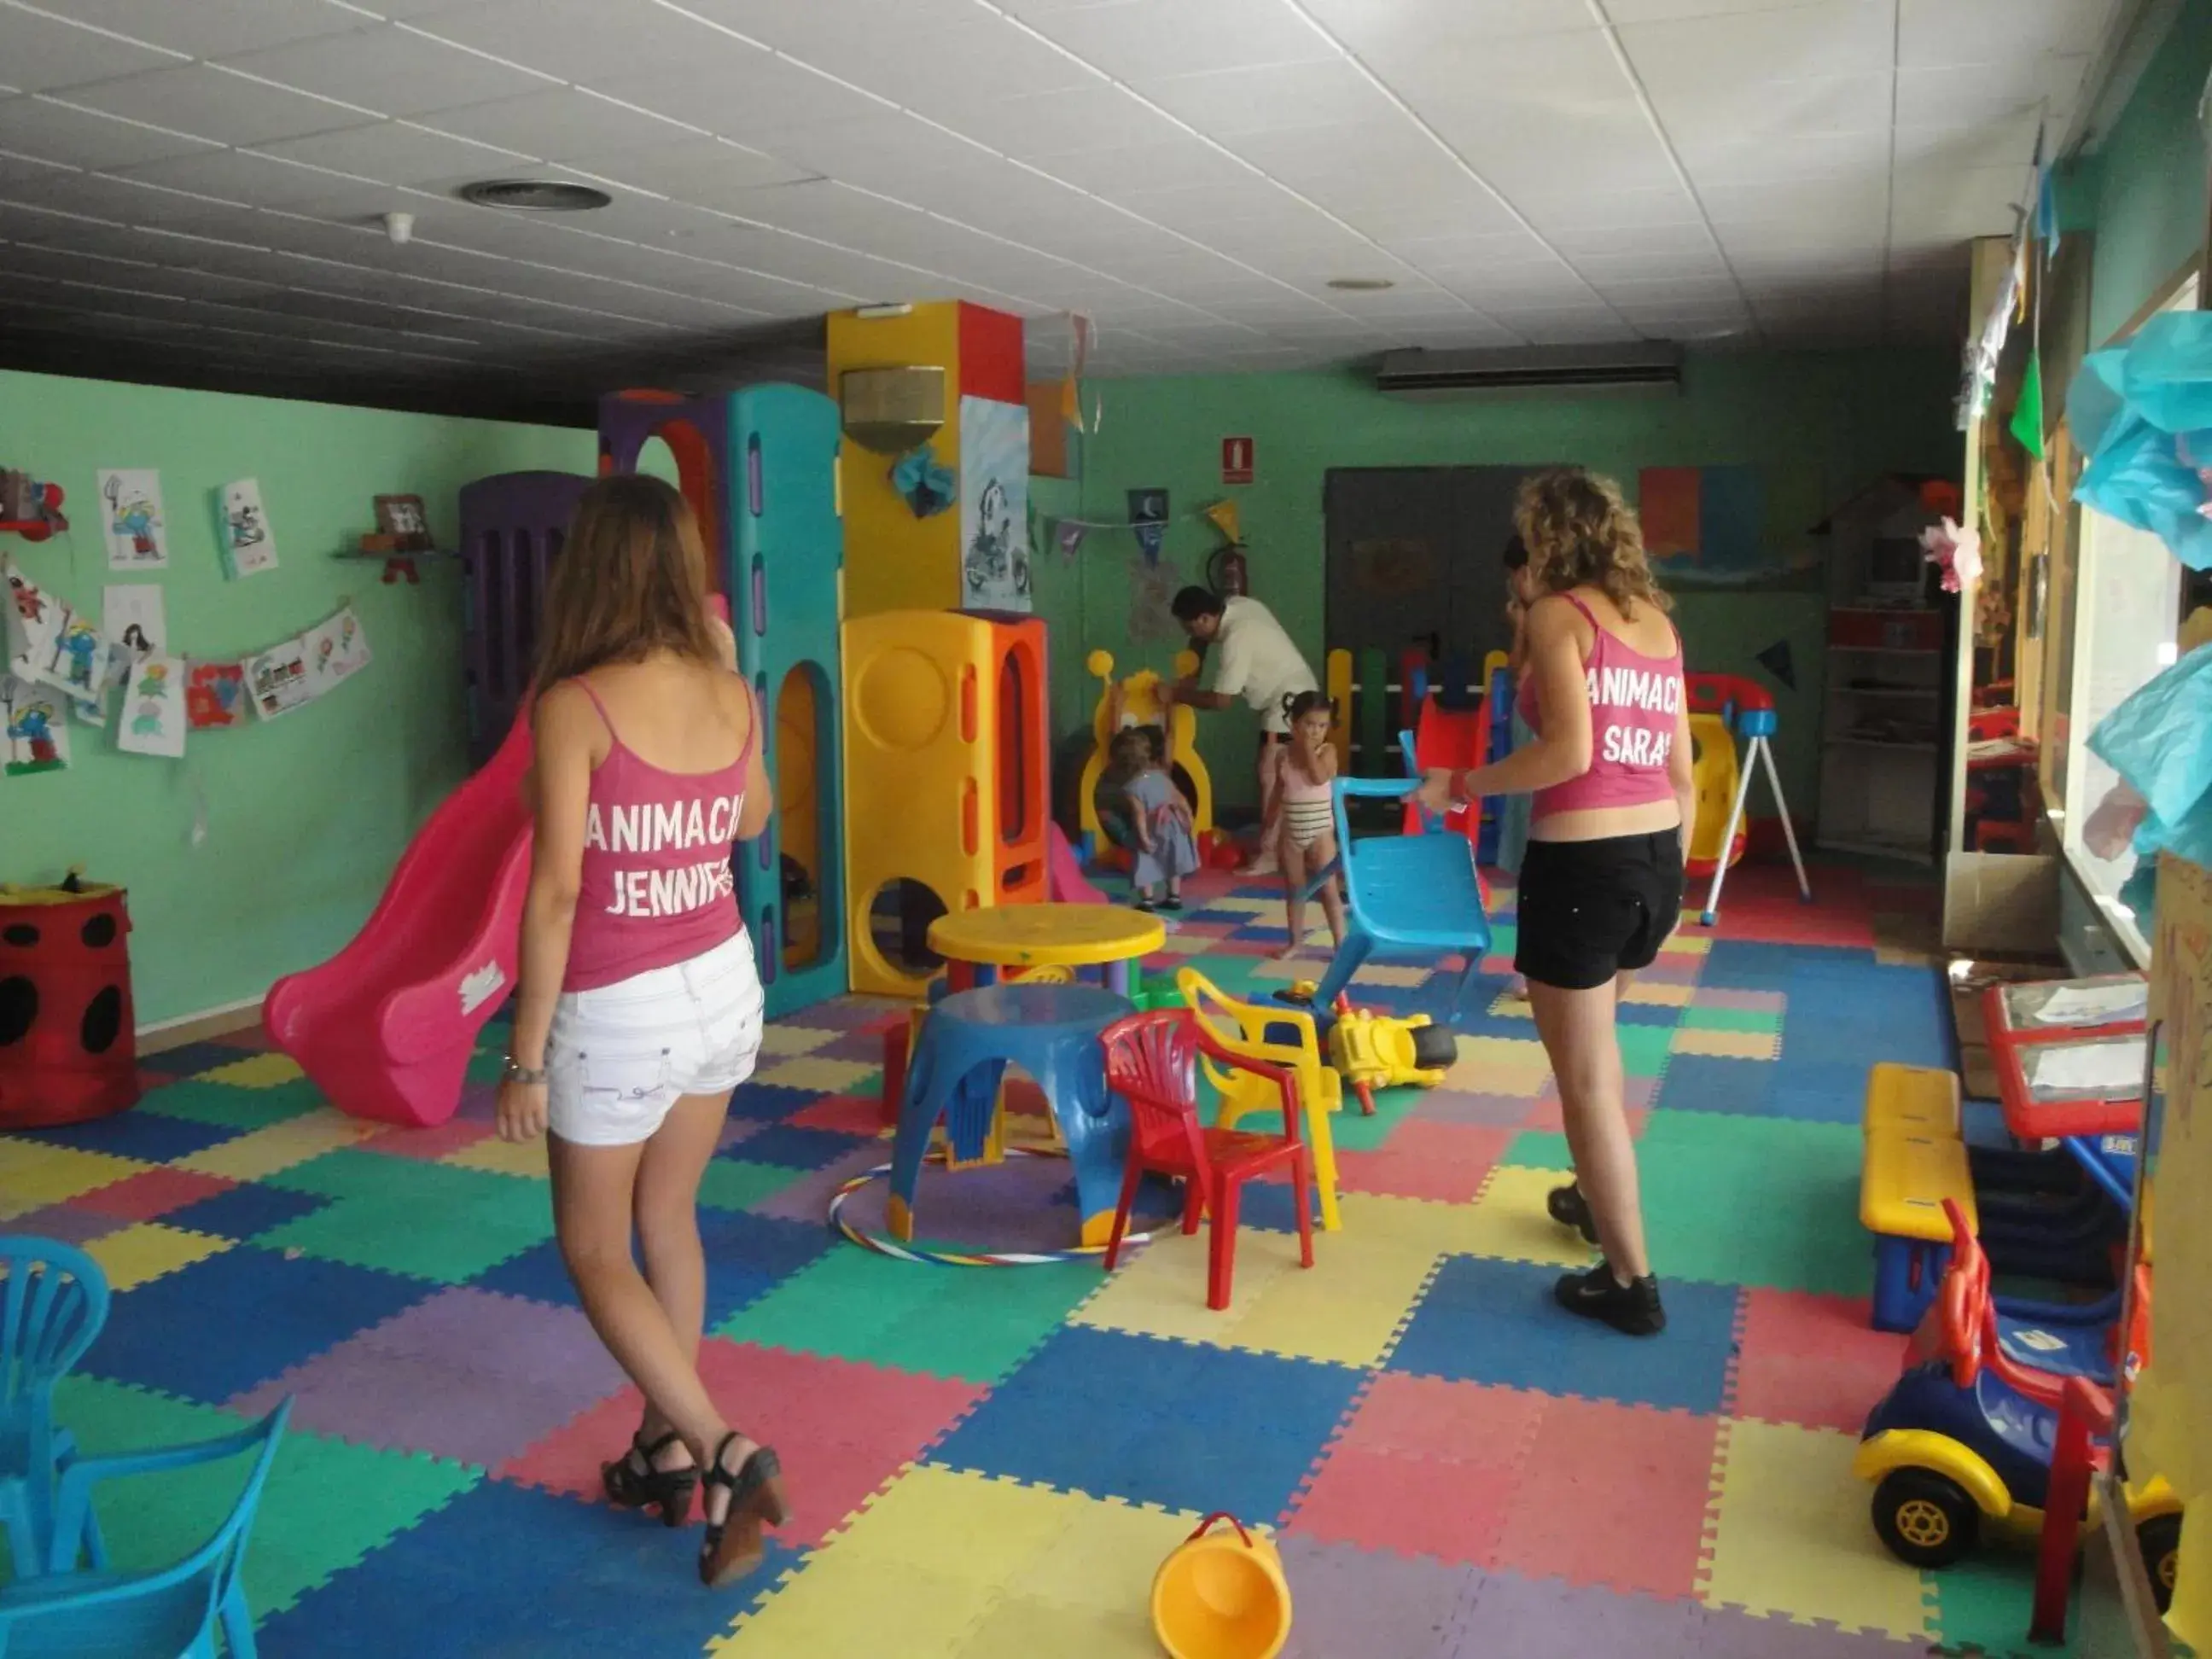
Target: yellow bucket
1220,1596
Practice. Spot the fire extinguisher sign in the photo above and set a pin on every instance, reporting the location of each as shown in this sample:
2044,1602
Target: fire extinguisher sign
1236,461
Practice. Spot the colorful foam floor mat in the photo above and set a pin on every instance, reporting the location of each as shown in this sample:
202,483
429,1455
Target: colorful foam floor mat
991,1462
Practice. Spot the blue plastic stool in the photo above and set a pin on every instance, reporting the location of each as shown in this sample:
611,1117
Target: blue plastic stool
1050,1031
53,1301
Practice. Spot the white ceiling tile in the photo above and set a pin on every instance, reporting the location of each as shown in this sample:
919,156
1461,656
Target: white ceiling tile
1991,94
1529,151
1130,173
1632,240
208,29
1852,207
1999,143
702,170
788,25
1836,37
562,124
1142,40
1037,126
1461,208
572,39
239,175
38,53
1704,117
1811,159
1651,262
50,130
1948,33
1270,97
1659,11
1383,29
396,153
1977,203
1668,204
388,67
740,92
217,104
31,172
939,72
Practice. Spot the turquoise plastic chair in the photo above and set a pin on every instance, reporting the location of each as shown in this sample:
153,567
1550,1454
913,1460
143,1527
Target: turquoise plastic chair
174,1610
1404,894
53,1300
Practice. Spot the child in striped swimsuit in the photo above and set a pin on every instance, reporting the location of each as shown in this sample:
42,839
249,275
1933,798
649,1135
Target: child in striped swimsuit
1309,835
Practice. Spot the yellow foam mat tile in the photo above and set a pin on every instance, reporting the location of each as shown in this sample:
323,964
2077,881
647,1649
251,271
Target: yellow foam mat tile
1655,993
497,1156
34,1175
786,1040
1026,1627
813,1072
1728,1045
1684,942
1788,1533
1343,1311
840,1604
1897,956
1289,969
256,1072
1511,1007
1403,974
1508,1220
1185,944
145,1250
1499,1066
1246,902
256,1156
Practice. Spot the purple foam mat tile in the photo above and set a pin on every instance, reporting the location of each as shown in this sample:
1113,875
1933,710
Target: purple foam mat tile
855,1048
1549,1619
807,1199
66,1225
1750,1002
1023,1204
506,1341
1637,1094
1473,1111
479,1103
1674,970
1348,1600
845,1013
1731,1634
737,1129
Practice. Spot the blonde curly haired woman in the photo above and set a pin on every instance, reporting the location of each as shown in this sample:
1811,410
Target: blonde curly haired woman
1600,884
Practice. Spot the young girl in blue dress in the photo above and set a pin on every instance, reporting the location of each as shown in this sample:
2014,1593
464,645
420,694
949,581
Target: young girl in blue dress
1167,848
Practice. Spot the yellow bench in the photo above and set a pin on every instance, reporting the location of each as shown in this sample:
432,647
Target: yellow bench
1907,1177
1916,1099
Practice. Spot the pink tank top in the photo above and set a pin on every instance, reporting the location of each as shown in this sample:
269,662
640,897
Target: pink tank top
657,887
1636,703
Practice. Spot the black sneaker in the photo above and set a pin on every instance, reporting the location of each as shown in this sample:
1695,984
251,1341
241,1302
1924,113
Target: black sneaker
1567,1206
1632,1309
1171,902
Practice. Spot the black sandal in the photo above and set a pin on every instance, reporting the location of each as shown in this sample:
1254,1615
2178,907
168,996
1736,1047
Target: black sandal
732,1547
633,1482
1567,1206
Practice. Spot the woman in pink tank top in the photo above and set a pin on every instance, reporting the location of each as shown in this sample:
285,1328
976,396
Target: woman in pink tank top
1601,882
640,1004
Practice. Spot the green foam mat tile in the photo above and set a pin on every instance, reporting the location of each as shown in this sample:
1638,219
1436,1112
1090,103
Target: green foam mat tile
1538,1149
1695,1018
486,1066
1353,1131
734,1184
974,1323
227,1106
442,1224
1644,1049
1983,1604
1750,1201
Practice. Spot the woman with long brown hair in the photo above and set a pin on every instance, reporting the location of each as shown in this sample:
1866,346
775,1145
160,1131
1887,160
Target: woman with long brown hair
1601,883
641,1004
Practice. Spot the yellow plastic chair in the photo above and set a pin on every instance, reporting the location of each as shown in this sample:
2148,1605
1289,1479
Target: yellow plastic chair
1243,1028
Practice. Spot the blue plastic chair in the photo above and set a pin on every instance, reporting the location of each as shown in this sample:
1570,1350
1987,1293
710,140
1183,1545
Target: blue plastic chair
175,1610
53,1300
1409,894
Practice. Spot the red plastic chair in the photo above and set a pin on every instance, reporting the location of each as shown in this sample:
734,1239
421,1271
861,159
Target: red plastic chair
1151,1063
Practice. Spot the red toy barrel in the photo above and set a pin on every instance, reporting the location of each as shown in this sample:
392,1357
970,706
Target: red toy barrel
69,1047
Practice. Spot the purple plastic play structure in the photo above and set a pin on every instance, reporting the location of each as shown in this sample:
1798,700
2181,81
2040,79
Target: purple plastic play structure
510,529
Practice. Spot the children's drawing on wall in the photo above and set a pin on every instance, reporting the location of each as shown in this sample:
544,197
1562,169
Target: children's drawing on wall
37,738
994,504
279,679
248,545
132,615
1148,519
336,649
1151,599
130,510
215,695
153,708
1705,526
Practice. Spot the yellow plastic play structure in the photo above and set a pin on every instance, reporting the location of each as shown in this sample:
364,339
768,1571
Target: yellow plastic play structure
1713,766
1136,701
1243,1028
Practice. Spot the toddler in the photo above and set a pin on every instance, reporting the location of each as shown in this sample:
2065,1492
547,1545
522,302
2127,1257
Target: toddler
1167,847
1308,834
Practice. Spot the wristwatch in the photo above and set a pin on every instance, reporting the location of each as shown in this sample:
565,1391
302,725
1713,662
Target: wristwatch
522,1074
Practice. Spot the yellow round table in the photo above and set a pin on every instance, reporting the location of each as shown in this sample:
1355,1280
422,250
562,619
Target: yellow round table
1108,936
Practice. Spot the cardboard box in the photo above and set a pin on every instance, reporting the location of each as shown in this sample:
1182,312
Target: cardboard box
2000,904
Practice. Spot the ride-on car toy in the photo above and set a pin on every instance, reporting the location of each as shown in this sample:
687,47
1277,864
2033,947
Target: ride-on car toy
1966,1435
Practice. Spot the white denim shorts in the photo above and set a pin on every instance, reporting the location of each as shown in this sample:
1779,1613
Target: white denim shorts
622,1055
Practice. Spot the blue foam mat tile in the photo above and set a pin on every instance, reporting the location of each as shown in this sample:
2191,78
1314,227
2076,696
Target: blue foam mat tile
147,1136
191,1059
796,1148
1176,1424
245,1212
771,1102
511,1569
1748,965
1714,1083
1485,1321
1815,1103
1648,1013
251,1313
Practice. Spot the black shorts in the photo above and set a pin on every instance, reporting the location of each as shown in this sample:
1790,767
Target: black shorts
1590,909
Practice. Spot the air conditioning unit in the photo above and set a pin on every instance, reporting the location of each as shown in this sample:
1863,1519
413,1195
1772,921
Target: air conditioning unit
1640,366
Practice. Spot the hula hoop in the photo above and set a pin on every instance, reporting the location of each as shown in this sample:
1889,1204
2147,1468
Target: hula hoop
901,1252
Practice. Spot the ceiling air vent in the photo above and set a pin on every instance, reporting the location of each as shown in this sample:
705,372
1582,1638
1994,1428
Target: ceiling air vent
1641,366
534,196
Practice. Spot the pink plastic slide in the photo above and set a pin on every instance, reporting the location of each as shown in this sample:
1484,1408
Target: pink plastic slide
1064,875
387,1026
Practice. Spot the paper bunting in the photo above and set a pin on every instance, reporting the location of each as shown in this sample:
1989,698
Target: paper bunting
38,735
1222,515
138,536
1777,660
1069,534
153,708
249,546
215,695
278,679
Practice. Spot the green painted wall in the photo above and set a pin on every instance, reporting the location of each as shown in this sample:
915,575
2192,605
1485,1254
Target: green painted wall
1819,426
308,814
2149,178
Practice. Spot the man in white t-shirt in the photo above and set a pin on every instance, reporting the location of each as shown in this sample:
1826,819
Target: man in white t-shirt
1252,658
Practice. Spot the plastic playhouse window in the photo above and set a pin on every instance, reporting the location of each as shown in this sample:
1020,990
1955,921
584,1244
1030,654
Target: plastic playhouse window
801,743
1015,694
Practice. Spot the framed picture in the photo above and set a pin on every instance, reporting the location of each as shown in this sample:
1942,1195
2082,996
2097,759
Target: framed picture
402,518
